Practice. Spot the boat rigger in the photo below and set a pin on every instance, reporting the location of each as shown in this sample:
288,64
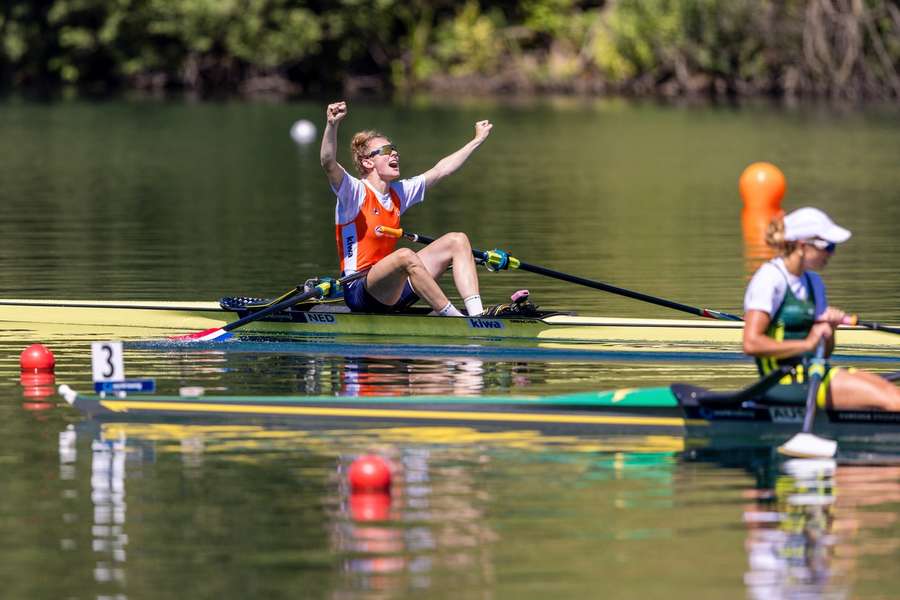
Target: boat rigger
142,319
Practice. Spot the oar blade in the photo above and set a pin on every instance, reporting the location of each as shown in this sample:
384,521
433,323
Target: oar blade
807,445
216,334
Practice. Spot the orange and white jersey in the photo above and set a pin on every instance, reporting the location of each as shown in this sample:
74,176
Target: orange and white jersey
360,209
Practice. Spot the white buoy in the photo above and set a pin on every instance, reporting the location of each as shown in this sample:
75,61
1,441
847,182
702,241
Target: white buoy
303,131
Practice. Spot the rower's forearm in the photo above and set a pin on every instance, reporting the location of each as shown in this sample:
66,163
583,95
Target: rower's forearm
764,346
452,162
328,151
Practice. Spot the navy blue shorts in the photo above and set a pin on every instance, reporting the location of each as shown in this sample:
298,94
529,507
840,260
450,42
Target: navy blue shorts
357,297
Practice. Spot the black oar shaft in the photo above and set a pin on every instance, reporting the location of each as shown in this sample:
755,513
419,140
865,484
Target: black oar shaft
805,444
598,285
300,296
815,372
879,327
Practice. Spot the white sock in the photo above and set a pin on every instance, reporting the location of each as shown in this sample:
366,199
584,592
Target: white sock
449,311
473,305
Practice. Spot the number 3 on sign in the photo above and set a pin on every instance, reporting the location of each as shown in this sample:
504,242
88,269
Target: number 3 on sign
106,361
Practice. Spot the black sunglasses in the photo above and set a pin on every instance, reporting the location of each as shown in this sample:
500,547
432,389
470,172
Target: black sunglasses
827,246
383,151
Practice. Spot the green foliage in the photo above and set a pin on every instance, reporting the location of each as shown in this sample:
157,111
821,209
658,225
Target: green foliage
673,46
548,17
470,43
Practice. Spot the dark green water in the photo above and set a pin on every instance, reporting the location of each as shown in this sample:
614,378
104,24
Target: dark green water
163,200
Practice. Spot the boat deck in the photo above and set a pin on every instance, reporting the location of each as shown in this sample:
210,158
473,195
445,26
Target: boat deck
133,319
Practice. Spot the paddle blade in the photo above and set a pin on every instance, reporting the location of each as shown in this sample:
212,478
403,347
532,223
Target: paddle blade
807,445
217,334
810,469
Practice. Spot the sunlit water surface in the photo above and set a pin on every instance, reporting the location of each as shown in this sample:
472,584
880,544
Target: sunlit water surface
173,200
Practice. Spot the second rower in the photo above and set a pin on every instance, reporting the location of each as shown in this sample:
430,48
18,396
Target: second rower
786,315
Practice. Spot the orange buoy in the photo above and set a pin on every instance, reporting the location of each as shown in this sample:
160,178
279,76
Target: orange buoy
369,473
762,186
36,358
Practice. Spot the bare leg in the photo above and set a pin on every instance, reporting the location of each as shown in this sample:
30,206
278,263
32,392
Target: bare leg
452,249
386,279
861,390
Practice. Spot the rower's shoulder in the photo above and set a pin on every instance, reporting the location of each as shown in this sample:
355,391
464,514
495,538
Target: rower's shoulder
768,271
407,183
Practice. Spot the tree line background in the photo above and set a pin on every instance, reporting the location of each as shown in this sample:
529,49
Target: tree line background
845,49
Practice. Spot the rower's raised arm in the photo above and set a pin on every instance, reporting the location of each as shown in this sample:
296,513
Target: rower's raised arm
328,154
449,164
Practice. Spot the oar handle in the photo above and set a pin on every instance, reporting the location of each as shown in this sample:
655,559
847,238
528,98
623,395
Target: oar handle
514,263
392,232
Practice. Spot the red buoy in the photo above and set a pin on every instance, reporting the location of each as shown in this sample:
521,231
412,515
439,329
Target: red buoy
36,358
369,473
370,506
37,385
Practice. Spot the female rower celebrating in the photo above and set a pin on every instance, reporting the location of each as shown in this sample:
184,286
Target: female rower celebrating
396,278
786,315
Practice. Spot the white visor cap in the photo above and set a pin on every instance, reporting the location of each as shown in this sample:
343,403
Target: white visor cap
808,223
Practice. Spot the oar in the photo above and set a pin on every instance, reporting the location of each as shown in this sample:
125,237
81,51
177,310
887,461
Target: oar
805,444
320,290
854,320
498,260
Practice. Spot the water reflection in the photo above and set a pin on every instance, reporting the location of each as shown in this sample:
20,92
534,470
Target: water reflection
467,508
791,537
108,538
108,497
812,522
459,377
439,525
284,372
434,531
432,521
754,222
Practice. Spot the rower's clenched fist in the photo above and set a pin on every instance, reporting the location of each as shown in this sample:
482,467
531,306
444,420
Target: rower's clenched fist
483,129
335,112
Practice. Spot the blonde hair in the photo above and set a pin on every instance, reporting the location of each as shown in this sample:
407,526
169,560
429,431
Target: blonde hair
359,147
775,237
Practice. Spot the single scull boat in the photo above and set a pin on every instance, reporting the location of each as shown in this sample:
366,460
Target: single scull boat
142,319
678,409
